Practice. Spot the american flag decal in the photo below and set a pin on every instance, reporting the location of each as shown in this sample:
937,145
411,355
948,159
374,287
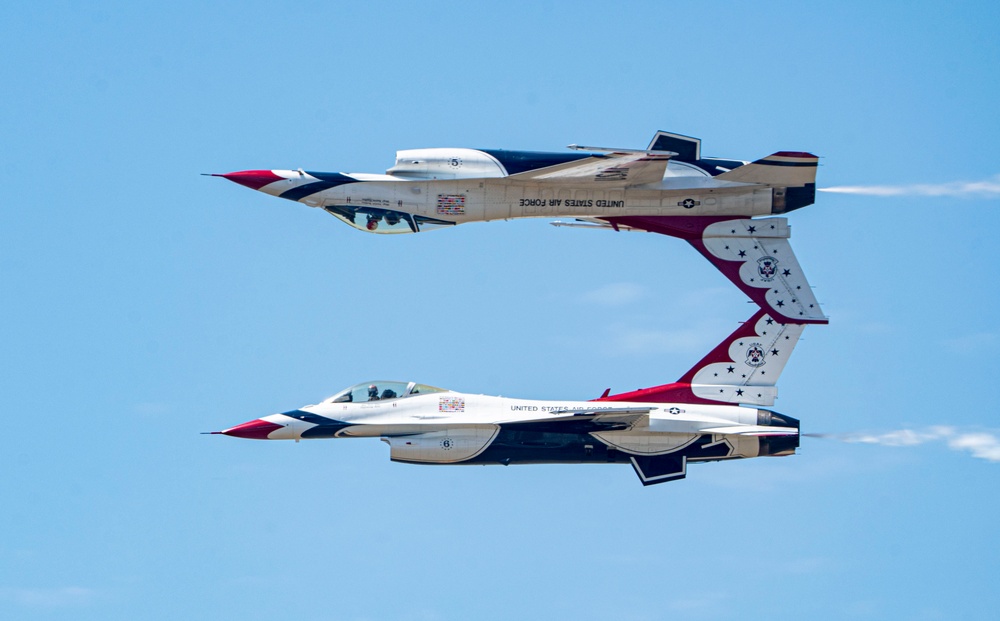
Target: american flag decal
451,404
451,204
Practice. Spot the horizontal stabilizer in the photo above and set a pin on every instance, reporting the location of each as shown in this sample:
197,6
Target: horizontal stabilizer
785,169
753,430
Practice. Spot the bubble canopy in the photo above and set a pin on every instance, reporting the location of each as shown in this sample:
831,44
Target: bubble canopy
381,220
381,390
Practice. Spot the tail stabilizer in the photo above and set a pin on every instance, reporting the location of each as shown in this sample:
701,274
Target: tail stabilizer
754,254
792,174
784,168
743,368
688,149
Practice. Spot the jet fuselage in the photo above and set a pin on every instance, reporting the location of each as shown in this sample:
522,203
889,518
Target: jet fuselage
427,425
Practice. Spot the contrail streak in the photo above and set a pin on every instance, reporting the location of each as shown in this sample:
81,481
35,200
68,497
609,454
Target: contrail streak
980,444
989,188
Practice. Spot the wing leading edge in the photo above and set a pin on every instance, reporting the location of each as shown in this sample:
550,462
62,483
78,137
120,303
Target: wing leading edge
615,169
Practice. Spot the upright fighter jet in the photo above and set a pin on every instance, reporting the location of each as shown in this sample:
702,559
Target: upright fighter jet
667,188
714,412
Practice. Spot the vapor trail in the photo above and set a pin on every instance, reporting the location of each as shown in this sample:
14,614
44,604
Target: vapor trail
981,444
989,188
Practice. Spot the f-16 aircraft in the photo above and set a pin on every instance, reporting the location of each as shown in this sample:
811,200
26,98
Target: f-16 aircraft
659,430
667,188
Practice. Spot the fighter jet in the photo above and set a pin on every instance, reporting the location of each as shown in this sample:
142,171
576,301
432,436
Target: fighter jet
711,413
667,188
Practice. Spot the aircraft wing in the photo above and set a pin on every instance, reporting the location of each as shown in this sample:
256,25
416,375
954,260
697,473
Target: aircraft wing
752,430
616,169
626,416
586,420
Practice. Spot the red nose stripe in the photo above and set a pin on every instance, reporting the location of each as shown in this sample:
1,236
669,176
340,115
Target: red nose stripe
254,430
253,179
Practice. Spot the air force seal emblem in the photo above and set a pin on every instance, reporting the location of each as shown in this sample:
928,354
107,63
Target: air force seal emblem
755,355
767,267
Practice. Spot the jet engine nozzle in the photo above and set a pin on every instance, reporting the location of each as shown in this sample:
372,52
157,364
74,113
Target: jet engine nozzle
773,419
778,445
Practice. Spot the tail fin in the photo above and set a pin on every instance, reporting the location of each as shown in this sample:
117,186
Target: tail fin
754,254
791,173
743,368
784,168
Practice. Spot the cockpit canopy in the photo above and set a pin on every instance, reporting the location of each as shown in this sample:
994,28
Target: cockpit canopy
381,390
381,220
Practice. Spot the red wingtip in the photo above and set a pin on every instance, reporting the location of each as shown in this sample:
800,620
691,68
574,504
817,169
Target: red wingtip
253,179
255,430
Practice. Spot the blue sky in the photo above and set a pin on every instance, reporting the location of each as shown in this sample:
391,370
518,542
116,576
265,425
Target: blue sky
144,303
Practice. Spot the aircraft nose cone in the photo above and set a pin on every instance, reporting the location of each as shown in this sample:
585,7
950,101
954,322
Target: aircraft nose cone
257,429
253,179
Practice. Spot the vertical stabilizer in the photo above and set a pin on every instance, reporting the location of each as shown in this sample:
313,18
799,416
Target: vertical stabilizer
743,368
784,168
754,254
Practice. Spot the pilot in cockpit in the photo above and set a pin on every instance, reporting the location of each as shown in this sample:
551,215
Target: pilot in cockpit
373,393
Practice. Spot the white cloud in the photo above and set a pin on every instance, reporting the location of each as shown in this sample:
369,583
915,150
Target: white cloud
900,437
696,339
615,294
644,341
802,566
58,597
981,444
700,604
989,188
971,342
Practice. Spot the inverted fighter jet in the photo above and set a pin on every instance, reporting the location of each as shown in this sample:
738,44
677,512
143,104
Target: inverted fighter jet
713,412
667,188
